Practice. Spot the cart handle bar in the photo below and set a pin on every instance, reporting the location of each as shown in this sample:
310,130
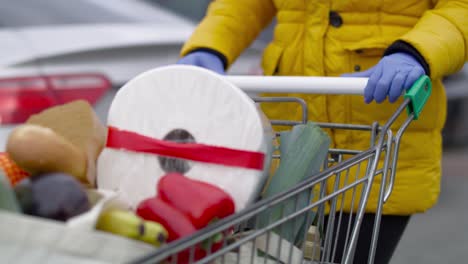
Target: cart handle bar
418,94
299,84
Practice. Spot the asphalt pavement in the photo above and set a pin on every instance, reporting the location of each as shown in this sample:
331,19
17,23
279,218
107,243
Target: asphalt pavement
441,235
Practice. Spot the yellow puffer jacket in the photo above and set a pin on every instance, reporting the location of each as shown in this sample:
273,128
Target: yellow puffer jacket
331,37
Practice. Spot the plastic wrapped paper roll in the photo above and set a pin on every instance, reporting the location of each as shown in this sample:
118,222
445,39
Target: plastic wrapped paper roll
190,120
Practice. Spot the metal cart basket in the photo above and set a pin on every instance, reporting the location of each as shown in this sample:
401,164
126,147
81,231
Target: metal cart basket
332,238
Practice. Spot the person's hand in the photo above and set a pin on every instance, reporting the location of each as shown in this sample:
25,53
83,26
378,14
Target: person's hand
393,74
205,60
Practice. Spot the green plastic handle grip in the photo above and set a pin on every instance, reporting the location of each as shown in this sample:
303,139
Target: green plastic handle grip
418,94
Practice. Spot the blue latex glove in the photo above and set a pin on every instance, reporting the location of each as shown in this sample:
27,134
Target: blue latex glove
205,60
394,74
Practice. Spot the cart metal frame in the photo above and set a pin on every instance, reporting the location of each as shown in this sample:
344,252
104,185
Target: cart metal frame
261,243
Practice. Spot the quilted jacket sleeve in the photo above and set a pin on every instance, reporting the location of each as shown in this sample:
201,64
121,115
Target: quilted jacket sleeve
441,37
230,26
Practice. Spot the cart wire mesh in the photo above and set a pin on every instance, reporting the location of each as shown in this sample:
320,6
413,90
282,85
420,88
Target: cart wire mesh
346,181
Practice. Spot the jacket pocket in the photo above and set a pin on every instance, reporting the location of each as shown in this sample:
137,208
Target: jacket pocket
271,58
365,54
368,48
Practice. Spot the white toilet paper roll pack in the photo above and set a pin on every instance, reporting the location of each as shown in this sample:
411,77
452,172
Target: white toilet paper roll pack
192,104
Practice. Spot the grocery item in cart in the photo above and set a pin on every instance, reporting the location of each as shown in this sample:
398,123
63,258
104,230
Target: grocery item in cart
303,152
29,239
12,171
55,196
66,138
201,202
7,196
221,137
39,150
176,223
184,206
127,224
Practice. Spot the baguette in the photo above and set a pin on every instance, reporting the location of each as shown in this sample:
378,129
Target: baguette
78,124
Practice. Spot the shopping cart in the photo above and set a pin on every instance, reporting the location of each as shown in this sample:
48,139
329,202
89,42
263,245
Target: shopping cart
332,237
